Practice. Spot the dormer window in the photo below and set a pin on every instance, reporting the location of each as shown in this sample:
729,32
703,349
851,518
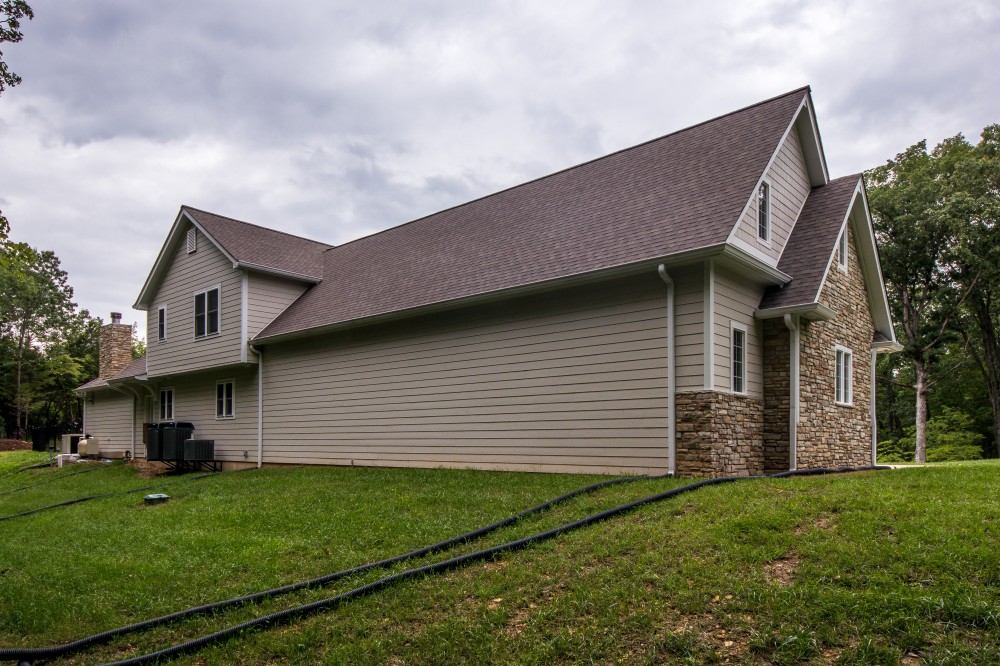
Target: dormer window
842,251
764,212
206,313
192,240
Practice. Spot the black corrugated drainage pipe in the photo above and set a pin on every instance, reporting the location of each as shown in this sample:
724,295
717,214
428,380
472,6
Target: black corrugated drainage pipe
28,654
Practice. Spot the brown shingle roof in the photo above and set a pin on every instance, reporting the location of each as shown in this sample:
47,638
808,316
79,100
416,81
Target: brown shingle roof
807,254
680,192
263,247
134,369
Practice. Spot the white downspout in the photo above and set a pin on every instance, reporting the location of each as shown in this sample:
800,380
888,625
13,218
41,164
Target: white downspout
671,375
792,323
873,415
260,403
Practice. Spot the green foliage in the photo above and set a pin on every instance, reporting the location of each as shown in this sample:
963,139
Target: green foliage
951,435
11,13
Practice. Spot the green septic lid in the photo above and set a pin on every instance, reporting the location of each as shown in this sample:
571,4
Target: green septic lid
156,498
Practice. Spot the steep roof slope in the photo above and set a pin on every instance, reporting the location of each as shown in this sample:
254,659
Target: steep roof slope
255,246
807,254
680,192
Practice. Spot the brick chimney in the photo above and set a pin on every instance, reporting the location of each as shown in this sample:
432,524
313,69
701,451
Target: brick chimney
115,347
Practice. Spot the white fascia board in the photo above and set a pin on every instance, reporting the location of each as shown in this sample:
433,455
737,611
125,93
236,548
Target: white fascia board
810,311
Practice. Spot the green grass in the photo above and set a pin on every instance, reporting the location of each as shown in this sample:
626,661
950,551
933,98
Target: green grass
869,568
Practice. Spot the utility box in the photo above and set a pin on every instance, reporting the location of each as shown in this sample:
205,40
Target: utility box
199,450
71,443
172,436
154,445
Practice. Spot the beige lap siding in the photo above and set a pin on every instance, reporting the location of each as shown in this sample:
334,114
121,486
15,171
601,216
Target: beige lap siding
109,419
267,297
736,299
569,381
194,402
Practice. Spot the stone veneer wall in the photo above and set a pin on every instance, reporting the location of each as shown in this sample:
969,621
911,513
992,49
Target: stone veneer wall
115,350
776,395
830,434
719,434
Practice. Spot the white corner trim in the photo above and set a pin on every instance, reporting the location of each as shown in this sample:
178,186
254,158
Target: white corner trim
244,304
709,340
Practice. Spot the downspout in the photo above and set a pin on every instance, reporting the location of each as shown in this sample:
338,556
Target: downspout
792,323
871,407
671,375
260,403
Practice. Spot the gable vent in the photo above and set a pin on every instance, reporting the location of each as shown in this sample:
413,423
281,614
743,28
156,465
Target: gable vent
192,240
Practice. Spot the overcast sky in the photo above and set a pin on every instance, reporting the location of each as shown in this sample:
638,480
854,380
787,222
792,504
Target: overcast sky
336,119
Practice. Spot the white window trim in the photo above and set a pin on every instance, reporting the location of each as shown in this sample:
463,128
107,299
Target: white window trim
173,405
161,309
842,252
737,326
224,417
194,327
848,388
770,227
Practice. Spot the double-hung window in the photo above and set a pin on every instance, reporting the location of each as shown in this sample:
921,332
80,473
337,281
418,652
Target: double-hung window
161,323
225,400
739,357
167,404
844,375
842,251
764,212
206,313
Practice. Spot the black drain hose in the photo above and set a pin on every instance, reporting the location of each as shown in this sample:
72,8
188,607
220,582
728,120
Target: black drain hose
102,495
105,636
42,483
453,563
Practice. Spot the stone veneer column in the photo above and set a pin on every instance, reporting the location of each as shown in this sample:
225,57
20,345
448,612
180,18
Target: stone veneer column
832,434
115,347
777,399
719,434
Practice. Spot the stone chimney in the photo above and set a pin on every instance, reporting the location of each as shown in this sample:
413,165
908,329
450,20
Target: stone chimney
115,347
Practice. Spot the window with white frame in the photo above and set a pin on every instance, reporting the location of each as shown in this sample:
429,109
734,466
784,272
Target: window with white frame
844,375
167,404
161,323
739,358
225,400
764,212
842,251
206,313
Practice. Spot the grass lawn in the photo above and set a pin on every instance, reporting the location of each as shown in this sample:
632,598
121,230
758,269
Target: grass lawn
873,568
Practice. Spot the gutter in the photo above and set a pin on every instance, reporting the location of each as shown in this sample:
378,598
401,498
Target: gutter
671,375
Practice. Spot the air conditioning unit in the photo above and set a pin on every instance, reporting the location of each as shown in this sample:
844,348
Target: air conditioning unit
199,450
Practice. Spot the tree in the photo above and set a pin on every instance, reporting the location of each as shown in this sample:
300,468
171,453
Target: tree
11,13
36,308
917,231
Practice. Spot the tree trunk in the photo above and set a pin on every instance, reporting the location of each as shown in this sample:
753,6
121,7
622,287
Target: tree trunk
920,370
989,364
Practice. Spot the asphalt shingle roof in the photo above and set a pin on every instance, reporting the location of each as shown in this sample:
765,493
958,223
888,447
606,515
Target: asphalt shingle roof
134,369
260,246
680,192
807,253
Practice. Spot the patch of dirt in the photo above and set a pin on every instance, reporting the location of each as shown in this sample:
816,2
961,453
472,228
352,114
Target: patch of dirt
782,570
822,522
148,470
14,445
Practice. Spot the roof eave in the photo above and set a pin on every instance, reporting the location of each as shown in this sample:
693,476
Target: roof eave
810,311
302,277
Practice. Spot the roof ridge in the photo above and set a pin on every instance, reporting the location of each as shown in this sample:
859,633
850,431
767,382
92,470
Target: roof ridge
803,89
258,226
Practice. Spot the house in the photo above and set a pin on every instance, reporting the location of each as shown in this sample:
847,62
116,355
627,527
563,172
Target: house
709,302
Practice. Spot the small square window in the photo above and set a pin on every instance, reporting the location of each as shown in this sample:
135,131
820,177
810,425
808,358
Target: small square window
764,212
225,400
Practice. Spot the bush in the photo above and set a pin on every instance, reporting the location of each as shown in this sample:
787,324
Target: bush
950,436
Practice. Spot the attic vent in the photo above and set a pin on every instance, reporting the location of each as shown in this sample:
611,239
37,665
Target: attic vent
192,240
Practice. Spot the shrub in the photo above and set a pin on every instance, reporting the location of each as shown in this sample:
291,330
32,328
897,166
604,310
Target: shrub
950,436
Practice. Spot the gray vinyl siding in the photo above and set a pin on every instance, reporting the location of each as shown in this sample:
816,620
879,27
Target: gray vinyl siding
194,401
568,381
190,273
689,328
736,299
790,187
109,419
267,297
